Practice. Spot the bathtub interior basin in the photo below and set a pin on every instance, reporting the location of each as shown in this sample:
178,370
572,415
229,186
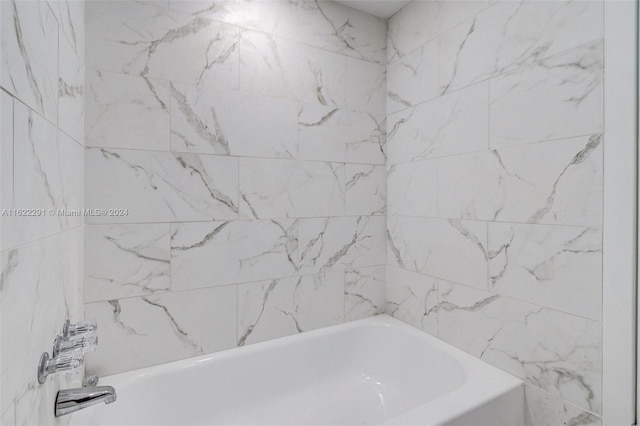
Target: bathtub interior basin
373,371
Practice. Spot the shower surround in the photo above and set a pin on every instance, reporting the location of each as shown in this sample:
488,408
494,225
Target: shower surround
246,140
41,163
495,177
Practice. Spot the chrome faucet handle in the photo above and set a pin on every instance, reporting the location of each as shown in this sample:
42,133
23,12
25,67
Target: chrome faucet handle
83,344
68,364
69,331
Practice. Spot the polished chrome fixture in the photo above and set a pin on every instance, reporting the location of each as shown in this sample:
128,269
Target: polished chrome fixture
91,380
70,400
70,331
69,364
81,344
67,355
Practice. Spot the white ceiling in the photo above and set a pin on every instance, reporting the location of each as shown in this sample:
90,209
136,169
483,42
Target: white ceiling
380,8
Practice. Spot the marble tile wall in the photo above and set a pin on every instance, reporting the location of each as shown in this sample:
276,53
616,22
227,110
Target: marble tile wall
247,142
41,163
494,162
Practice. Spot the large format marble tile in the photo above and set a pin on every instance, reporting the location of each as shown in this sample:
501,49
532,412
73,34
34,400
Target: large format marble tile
366,190
126,260
364,292
70,16
288,188
413,78
160,186
553,98
333,134
555,266
338,28
125,111
450,249
71,90
285,306
452,124
555,351
217,253
286,69
412,188
71,164
367,87
557,182
544,409
514,33
339,243
272,17
212,121
73,252
413,298
48,169
29,55
422,21
149,39
154,329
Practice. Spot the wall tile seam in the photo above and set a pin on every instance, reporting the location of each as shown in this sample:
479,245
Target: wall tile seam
488,149
494,293
42,238
554,396
61,27
15,98
437,97
39,114
254,282
293,218
71,138
234,156
6,91
506,222
303,44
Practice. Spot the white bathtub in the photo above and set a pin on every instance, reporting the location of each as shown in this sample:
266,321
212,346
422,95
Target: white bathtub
373,371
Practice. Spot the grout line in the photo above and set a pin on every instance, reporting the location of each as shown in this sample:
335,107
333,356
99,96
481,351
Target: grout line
253,282
212,221
444,218
503,296
499,148
40,240
288,159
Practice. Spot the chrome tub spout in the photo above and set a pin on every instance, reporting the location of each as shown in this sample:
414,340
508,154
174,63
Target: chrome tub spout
70,400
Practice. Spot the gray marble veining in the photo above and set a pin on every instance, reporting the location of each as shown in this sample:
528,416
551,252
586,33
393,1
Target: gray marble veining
161,187
126,260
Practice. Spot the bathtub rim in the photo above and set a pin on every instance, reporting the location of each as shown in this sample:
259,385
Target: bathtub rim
483,382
